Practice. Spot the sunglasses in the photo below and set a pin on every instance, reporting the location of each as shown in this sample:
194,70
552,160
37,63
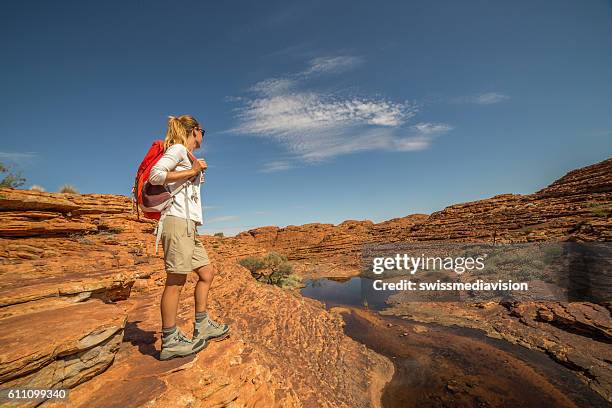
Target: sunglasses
201,130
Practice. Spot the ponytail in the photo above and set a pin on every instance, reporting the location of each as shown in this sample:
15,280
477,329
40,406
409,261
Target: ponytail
179,129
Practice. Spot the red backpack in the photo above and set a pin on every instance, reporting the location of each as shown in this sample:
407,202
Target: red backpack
151,199
156,151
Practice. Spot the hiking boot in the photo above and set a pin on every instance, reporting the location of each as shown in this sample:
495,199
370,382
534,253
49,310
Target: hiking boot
178,345
208,329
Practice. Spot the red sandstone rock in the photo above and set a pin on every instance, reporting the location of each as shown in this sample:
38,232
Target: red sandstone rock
575,207
285,350
59,348
271,359
28,200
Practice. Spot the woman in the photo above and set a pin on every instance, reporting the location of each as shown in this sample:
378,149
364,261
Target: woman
183,252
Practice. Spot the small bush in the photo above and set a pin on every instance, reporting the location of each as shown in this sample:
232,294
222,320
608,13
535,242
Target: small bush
291,281
272,269
69,189
38,188
112,230
12,179
253,264
219,234
600,211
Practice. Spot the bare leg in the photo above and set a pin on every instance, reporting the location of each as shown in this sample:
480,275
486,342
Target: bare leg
170,298
206,274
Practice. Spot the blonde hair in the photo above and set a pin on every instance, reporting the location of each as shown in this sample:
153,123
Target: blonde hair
179,129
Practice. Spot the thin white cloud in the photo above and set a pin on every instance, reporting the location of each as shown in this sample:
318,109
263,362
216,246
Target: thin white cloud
222,218
428,129
603,132
488,98
262,212
308,111
418,137
16,156
332,64
273,86
316,126
275,166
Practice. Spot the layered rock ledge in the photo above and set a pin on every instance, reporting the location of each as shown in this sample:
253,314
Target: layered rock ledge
80,288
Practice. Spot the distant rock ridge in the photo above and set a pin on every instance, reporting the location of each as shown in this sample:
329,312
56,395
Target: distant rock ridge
575,207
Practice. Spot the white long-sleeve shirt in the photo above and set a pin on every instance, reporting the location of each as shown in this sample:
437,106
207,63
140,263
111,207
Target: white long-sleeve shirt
176,159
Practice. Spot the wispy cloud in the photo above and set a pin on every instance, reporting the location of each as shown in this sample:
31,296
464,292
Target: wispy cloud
222,218
317,125
333,64
262,212
488,98
278,165
300,112
317,66
16,156
417,137
602,132
273,86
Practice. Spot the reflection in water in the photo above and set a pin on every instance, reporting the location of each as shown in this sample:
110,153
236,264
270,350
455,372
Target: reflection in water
355,291
438,366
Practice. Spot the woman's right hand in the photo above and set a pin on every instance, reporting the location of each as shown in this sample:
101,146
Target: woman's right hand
198,165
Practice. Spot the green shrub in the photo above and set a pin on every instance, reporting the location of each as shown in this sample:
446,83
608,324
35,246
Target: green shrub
219,234
272,269
112,230
290,282
253,264
69,189
600,211
12,179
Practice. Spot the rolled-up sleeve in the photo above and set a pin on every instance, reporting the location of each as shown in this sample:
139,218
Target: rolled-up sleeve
167,163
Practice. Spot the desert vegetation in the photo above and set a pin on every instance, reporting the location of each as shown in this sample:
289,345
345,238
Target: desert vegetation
10,178
599,209
68,189
273,269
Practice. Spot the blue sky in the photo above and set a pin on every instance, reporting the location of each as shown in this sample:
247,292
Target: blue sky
315,111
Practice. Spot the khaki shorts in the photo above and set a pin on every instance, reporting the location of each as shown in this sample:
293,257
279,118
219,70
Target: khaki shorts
182,253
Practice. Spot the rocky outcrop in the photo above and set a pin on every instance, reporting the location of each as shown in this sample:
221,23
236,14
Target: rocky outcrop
79,308
284,351
576,335
321,249
59,347
586,180
440,366
80,288
576,207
